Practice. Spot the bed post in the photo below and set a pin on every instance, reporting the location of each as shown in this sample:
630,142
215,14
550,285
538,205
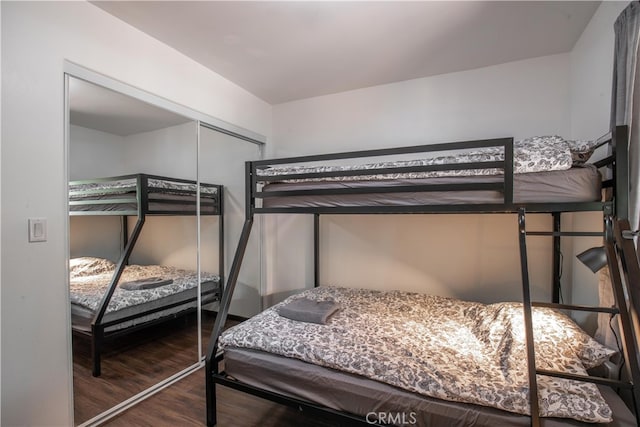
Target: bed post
221,318
211,363
221,235
97,338
620,136
528,321
557,257
316,250
125,232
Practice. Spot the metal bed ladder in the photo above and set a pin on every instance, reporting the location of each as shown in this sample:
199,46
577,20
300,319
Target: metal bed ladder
620,252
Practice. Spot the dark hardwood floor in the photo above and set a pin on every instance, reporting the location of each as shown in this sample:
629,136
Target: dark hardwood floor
183,404
140,360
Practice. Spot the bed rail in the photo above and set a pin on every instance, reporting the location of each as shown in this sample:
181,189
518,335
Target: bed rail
258,198
503,185
136,194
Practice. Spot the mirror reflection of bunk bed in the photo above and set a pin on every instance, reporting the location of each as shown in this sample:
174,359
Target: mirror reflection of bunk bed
108,299
360,376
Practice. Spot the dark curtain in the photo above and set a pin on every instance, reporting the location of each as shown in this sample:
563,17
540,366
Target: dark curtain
625,110
624,99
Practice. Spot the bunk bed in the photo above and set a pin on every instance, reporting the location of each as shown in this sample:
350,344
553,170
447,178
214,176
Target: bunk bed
263,357
108,299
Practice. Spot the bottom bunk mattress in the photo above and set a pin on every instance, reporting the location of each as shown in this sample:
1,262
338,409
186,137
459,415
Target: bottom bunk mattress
442,348
374,400
144,293
575,185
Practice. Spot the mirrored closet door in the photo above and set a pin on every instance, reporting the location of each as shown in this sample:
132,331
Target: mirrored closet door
134,279
221,160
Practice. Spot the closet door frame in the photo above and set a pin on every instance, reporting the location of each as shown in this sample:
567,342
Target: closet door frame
72,70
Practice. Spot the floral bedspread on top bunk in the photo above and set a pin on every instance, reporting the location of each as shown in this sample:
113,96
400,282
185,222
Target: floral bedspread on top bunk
536,154
439,347
129,184
90,277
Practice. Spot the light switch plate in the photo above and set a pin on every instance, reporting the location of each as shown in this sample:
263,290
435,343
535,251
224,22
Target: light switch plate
37,229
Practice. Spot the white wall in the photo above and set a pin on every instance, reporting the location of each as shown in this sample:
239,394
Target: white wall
466,256
517,99
93,153
172,151
37,37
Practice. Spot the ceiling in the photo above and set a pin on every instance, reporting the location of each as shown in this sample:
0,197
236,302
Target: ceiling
95,107
284,51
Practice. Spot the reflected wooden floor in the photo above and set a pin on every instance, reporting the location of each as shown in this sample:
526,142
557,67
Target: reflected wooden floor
142,361
131,364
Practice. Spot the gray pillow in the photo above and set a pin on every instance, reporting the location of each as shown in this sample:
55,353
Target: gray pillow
148,283
308,310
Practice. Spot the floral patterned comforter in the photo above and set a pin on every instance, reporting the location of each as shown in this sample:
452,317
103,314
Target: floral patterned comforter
440,347
90,277
536,154
129,184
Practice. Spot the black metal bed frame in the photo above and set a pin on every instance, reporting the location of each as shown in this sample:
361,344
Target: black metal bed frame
142,208
622,258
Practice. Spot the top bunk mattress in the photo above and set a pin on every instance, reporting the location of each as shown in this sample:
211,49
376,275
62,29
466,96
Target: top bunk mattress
483,174
163,195
577,184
